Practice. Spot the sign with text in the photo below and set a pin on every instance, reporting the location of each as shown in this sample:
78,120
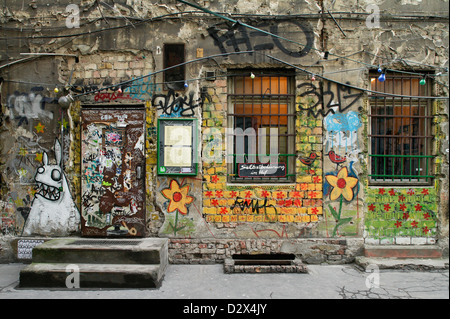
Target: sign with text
262,170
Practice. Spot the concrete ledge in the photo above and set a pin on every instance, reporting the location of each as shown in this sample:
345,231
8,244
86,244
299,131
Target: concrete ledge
403,264
110,251
403,251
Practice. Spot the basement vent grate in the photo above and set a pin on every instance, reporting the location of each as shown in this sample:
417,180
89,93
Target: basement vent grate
106,242
263,259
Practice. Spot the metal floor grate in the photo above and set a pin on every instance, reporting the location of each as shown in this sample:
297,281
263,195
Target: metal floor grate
106,242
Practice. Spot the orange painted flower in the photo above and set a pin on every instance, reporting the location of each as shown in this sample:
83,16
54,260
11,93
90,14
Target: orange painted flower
178,197
342,184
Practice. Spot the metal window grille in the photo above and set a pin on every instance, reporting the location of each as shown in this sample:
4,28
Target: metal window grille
262,103
400,132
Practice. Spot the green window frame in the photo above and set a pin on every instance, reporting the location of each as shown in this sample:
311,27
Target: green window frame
401,131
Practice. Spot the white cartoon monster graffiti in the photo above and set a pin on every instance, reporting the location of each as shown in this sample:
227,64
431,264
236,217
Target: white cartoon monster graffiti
53,211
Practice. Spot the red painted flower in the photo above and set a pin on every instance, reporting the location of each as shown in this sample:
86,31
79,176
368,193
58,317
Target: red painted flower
298,202
317,179
372,207
405,215
248,194
426,216
223,210
381,191
402,207
314,210
401,198
214,202
392,192
219,193
296,194
398,224
288,202
425,229
418,208
265,194
280,195
233,194
425,191
312,194
387,207
214,178
410,192
414,224
208,194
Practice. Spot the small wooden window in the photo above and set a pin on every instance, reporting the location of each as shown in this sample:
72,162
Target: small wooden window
174,78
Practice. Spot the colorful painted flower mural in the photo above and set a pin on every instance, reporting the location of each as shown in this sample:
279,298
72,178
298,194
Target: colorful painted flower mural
178,197
343,186
178,201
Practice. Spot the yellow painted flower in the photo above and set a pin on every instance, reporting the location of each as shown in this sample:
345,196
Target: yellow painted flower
178,197
342,184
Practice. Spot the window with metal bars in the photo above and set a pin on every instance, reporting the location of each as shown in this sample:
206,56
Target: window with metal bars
261,122
401,131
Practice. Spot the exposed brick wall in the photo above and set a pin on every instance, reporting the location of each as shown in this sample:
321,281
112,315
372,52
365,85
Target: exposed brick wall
312,251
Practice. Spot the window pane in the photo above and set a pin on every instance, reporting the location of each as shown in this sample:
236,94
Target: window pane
260,105
400,137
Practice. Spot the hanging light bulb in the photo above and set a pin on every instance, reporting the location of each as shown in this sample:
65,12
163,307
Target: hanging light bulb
380,70
313,78
186,85
382,77
252,75
56,90
423,81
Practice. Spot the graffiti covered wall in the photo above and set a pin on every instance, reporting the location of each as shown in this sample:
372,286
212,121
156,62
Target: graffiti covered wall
328,193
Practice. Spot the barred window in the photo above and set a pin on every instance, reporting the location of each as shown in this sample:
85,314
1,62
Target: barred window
261,116
401,131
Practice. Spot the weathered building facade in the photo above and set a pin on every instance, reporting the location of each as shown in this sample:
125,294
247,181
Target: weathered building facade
230,127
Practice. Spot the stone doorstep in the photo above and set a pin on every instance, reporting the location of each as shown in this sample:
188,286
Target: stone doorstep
402,251
51,275
293,266
100,263
106,251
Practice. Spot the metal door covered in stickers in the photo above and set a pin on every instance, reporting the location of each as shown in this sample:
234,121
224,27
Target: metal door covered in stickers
113,172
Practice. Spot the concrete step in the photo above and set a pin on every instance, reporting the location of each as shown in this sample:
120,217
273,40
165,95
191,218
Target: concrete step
63,275
402,251
102,251
97,263
418,264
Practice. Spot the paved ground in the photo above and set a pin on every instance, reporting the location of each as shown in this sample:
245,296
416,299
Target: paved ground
210,282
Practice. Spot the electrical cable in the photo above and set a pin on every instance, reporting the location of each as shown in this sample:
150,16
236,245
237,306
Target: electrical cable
238,22
358,88
235,22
